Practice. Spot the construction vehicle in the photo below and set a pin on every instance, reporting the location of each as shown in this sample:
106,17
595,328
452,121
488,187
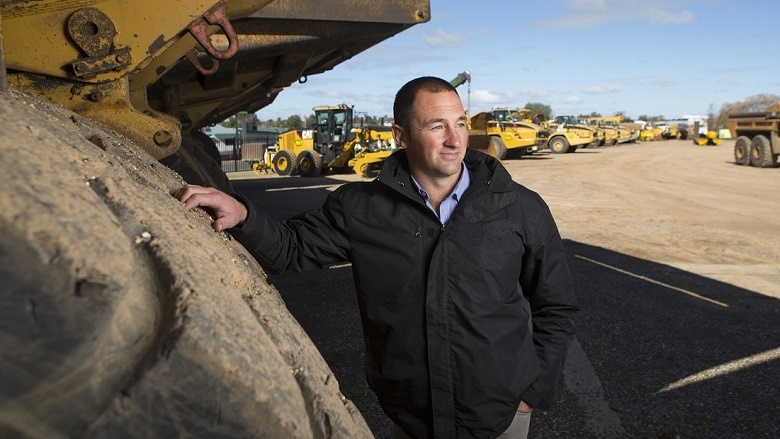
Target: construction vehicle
609,134
498,134
333,144
624,133
567,134
651,131
678,131
525,125
757,137
125,314
711,138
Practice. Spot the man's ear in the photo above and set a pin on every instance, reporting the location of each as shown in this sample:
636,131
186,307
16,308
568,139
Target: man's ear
399,135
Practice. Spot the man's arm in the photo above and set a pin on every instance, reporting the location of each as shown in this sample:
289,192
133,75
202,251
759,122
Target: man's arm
308,241
226,210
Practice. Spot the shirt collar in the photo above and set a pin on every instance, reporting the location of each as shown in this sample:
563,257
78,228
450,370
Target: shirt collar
457,191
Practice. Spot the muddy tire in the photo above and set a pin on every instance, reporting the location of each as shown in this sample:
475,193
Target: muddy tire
558,145
309,163
742,150
761,152
496,148
285,163
127,315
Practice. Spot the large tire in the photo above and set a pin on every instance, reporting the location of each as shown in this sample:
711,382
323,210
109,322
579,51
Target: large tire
558,145
309,163
742,150
124,315
496,148
207,144
761,152
196,166
285,163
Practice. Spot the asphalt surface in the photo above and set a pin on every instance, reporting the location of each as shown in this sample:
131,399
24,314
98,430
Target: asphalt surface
660,352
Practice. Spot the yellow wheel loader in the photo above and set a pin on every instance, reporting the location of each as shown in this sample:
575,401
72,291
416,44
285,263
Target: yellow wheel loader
333,144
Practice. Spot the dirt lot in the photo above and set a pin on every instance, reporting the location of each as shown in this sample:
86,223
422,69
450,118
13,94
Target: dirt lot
669,202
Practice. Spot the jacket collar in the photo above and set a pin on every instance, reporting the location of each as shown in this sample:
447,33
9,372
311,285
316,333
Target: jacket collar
486,171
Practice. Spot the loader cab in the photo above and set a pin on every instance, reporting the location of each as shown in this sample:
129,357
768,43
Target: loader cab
333,128
566,120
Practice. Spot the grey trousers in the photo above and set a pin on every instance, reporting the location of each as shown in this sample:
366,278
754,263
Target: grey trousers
518,429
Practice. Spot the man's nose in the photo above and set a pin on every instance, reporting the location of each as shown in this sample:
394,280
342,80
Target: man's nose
453,137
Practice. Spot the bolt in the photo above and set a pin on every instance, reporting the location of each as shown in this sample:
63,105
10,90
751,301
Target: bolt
96,96
163,138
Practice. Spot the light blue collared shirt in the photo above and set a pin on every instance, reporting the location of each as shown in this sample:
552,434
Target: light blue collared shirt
448,205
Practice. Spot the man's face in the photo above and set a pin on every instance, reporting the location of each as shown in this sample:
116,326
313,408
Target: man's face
437,136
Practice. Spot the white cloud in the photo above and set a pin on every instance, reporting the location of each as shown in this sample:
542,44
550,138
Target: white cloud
440,38
487,98
572,100
601,89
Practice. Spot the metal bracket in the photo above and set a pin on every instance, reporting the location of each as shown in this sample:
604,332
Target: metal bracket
94,33
216,16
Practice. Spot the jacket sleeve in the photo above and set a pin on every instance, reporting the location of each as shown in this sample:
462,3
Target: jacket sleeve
546,281
312,240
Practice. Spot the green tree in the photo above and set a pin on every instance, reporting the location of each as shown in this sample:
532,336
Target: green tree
539,108
294,122
229,122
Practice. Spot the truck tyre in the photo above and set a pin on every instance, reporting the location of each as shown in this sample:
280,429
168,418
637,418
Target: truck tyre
125,315
285,162
309,163
761,152
204,141
559,145
742,150
497,148
196,166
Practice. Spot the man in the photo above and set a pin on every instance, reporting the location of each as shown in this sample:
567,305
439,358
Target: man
463,287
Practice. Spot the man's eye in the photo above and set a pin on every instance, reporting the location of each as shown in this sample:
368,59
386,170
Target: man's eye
461,125
437,127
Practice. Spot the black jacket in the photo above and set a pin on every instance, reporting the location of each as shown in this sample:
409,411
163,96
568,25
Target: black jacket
446,310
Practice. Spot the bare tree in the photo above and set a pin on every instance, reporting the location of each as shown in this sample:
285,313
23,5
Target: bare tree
755,103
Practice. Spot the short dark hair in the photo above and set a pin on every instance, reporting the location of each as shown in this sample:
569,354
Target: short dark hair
404,99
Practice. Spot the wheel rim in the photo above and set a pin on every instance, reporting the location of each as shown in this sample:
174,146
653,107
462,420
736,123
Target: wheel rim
305,164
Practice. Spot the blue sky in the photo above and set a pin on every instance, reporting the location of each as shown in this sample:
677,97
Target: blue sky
665,57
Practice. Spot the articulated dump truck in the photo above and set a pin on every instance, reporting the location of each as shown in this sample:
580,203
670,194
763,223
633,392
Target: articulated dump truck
122,314
758,137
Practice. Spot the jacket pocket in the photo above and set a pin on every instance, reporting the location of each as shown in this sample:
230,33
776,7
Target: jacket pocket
385,262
